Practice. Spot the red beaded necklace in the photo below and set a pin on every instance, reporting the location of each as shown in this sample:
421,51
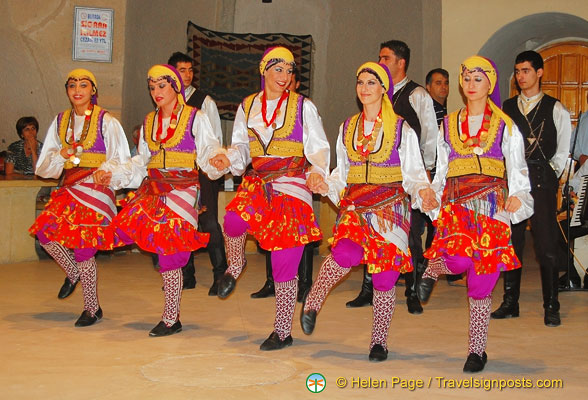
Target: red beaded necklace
276,111
367,143
478,141
173,123
77,146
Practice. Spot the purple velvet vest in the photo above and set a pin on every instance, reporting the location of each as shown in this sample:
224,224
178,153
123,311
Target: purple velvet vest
94,153
286,141
180,150
462,159
383,165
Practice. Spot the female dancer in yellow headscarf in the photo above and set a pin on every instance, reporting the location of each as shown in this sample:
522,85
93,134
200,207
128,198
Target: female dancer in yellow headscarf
483,184
281,134
379,166
90,147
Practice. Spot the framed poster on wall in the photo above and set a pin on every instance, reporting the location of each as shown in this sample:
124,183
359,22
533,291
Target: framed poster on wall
92,34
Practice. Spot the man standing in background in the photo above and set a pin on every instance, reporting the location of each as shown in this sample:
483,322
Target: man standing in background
546,128
209,189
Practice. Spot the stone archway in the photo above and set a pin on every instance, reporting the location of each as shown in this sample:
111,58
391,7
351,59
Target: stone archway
531,32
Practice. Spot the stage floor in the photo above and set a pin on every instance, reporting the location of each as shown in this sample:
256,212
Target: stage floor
217,354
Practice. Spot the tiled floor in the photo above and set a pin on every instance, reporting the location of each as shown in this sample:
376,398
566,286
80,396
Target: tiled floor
217,355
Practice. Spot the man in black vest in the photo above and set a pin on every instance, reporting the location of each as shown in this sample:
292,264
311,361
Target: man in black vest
412,102
546,128
208,220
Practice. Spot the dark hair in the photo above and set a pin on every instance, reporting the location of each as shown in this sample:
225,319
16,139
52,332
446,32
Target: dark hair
179,57
400,49
371,71
532,57
296,74
23,122
436,71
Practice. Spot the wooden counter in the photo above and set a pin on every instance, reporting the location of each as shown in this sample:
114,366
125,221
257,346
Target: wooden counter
18,197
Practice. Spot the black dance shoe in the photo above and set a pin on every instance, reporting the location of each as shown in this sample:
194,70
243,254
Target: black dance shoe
213,291
86,319
267,290
226,286
378,353
425,288
551,318
67,288
308,321
475,363
273,342
573,283
364,299
413,304
162,330
506,310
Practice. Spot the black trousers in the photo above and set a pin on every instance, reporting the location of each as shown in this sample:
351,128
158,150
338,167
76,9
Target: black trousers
544,229
208,222
415,243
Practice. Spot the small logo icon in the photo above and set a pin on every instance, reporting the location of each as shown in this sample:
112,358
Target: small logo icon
316,383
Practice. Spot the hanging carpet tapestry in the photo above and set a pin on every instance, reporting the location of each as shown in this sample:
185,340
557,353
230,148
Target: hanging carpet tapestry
226,65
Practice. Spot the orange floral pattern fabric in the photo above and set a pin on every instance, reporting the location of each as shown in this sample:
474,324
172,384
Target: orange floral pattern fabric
277,221
379,255
157,229
74,225
461,232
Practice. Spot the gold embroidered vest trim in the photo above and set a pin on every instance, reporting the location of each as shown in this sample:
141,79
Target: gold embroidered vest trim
177,159
280,148
89,160
473,164
366,172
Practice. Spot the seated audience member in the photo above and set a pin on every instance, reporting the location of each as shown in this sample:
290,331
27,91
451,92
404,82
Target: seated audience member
23,154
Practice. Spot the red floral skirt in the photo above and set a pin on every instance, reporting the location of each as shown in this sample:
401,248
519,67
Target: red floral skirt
157,229
461,232
281,222
379,255
74,225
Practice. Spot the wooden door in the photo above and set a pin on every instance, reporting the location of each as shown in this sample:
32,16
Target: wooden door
565,75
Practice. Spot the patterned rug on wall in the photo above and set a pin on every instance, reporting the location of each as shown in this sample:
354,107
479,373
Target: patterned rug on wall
226,65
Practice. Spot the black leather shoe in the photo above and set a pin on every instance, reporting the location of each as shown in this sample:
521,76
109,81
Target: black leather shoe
273,342
413,304
226,286
363,299
551,318
378,353
213,291
424,288
162,330
506,311
67,288
86,319
475,363
189,283
573,283
267,290
308,321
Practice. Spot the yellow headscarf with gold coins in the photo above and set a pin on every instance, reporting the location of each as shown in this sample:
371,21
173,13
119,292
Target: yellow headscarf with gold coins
485,66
